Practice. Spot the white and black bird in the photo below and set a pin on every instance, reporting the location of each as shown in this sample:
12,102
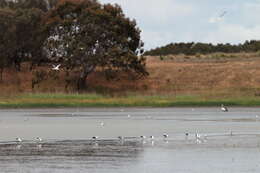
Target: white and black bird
38,139
165,135
95,137
142,137
197,136
19,140
151,137
224,108
56,68
186,135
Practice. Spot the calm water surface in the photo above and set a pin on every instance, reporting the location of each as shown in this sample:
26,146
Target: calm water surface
228,142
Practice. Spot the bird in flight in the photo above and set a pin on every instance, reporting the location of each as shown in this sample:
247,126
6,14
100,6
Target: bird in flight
218,18
56,68
223,14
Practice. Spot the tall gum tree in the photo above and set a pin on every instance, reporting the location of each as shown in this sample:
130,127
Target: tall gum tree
21,30
85,35
7,38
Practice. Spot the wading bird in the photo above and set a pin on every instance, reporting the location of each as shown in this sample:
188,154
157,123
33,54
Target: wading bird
165,135
19,140
38,139
223,108
95,137
197,136
142,137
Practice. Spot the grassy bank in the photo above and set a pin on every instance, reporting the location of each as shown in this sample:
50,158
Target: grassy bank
94,100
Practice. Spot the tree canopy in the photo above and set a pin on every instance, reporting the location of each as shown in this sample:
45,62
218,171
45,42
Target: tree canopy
85,35
204,48
81,35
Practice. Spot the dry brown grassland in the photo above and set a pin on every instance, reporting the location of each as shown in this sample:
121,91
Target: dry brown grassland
215,75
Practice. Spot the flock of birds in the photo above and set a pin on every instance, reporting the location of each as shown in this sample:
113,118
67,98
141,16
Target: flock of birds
198,137
38,140
121,138
165,136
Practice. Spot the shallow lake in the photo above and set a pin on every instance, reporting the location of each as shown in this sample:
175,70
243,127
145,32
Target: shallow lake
200,140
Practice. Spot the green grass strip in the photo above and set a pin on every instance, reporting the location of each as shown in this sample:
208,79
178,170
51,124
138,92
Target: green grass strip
95,100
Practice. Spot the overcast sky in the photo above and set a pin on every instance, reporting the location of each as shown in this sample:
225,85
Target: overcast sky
169,21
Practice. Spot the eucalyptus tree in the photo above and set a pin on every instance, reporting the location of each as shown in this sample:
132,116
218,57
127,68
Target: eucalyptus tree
7,38
44,5
23,36
85,35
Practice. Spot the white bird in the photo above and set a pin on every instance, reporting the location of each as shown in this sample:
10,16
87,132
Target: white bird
223,108
165,135
56,68
128,115
95,137
152,137
142,137
102,123
19,140
38,139
197,136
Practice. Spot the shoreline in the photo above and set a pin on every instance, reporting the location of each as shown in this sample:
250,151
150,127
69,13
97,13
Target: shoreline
99,101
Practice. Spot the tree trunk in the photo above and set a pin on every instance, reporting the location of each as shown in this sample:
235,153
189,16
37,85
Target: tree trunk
1,74
81,83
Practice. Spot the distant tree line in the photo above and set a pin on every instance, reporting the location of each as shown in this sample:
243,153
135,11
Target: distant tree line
204,48
81,35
